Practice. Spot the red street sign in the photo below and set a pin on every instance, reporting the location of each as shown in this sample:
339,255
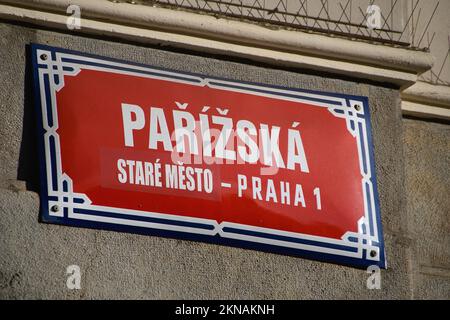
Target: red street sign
142,149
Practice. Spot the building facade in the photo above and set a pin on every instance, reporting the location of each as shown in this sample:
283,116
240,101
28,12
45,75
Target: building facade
405,76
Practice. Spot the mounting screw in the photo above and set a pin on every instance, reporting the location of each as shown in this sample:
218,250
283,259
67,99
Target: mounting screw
357,107
54,208
43,56
373,253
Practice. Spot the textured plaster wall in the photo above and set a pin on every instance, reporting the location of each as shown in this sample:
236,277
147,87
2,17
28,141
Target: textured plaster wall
427,160
34,256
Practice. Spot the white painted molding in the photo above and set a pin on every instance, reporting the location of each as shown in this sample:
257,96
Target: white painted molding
428,93
426,100
224,36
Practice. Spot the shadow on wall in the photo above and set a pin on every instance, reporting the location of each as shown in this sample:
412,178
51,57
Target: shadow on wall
28,169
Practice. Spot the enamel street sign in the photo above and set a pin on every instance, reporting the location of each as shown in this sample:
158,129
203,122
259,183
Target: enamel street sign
141,149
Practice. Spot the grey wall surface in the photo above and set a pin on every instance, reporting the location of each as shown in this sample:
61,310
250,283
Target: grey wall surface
427,160
34,256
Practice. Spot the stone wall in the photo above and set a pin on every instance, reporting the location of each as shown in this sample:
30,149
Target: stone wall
34,256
